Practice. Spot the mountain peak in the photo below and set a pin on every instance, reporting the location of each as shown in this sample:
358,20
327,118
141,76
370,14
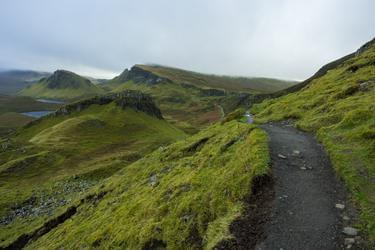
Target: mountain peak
66,79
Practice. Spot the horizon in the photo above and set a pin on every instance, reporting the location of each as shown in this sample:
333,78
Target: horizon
284,40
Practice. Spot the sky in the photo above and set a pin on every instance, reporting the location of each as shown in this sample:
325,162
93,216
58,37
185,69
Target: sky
288,39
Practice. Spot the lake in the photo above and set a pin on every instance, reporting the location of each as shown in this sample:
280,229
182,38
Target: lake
37,114
50,101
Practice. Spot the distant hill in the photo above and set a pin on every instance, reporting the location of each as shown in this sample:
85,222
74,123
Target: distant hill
62,85
12,81
191,100
229,83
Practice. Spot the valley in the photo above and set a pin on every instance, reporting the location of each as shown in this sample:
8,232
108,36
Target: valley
166,158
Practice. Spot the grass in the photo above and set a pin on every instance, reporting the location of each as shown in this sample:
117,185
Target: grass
339,108
183,196
244,84
183,107
82,148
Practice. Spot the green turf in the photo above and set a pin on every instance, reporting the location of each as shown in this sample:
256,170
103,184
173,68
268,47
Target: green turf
82,148
185,195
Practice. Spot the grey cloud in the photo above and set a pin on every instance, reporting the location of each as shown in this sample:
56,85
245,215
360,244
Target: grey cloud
276,38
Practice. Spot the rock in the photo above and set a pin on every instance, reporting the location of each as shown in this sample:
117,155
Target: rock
153,180
349,241
340,206
303,168
296,152
350,231
365,86
346,218
281,156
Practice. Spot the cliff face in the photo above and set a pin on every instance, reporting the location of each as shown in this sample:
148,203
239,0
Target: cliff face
131,99
127,99
139,75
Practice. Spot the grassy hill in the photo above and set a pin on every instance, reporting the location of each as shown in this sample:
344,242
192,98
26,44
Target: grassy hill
12,81
189,100
183,196
62,85
57,158
338,105
228,83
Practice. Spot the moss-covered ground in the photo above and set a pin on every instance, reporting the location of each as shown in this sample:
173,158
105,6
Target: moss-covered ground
59,158
182,196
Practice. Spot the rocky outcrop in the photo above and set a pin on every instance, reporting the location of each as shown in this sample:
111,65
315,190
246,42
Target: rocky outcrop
139,75
127,99
213,92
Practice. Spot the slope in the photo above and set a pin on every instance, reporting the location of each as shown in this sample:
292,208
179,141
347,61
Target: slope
190,106
55,159
62,85
339,108
183,196
238,84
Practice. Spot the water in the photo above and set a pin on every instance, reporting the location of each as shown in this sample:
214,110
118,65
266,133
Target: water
249,117
50,101
37,114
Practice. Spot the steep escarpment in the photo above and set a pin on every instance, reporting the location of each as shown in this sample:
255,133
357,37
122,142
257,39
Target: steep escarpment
126,99
138,75
62,84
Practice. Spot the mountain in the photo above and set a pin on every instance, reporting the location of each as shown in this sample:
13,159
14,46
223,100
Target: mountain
54,160
62,85
12,81
156,73
337,104
189,100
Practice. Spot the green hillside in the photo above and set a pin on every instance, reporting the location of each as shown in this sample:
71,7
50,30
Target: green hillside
55,159
183,196
189,100
228,83
339,107
62,85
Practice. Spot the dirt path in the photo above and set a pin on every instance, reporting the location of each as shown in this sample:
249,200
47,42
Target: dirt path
303,214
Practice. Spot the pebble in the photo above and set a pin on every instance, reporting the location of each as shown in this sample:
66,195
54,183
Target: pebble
346,218
349,241
303,168
340,206
296,152
350,231
281,156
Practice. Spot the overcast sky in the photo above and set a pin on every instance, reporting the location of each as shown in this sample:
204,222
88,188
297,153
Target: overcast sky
276,38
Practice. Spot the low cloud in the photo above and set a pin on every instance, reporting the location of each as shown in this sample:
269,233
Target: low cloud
276,38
